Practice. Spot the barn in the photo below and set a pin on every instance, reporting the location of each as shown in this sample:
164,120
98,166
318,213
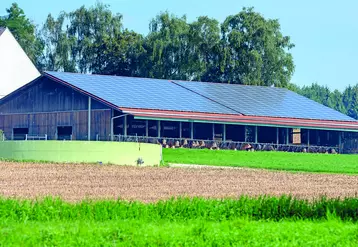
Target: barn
71,106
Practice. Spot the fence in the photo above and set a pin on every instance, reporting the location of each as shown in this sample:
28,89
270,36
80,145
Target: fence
35,137
231,145
350,147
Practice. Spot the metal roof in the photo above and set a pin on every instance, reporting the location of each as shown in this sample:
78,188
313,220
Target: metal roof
264,101
201,97
141,93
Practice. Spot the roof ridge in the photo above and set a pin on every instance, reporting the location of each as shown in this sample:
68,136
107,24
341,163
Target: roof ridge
171,80
206,97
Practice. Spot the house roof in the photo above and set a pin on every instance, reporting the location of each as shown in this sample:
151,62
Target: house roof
200,97
2,29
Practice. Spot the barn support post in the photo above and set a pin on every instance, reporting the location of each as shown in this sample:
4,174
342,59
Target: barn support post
180,130
111,125
287,136
277,136
89,119
224,132
158,128
213,130
256,134
245,129
308,137
191,130
340,141
146,128
125,126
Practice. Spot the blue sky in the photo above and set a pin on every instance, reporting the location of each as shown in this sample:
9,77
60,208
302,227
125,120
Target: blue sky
325,32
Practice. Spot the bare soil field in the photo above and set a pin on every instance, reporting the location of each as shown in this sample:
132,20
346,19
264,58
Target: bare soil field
74,182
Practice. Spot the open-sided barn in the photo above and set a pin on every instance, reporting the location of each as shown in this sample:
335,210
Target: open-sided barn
98,107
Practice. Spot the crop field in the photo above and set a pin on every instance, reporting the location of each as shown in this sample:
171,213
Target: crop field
108,205
75,182
307,162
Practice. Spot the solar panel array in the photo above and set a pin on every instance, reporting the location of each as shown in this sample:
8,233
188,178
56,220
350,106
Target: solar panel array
264,101
141,93
132,92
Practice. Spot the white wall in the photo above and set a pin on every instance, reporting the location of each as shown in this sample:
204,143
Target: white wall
16,69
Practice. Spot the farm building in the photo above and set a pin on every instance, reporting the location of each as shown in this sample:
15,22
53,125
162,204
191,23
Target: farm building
73,106
16,68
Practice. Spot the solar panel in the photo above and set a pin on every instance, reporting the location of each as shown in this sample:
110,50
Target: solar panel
264,101
143,93
132,92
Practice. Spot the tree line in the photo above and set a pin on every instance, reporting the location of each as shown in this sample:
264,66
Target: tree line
245,48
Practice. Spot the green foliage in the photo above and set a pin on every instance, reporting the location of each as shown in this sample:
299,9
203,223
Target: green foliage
345,164
255,50
345,102
24,32
261,208
240,232
245,49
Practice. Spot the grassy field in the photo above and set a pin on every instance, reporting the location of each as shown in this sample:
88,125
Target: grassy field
347,164
265,221
238,232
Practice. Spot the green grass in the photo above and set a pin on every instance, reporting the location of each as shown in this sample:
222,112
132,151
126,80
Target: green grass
261,208
265,221
239,232
328,163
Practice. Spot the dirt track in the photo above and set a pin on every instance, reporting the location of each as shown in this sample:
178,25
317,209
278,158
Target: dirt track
76,182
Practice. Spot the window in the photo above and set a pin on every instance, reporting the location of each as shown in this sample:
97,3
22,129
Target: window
64,133
20,133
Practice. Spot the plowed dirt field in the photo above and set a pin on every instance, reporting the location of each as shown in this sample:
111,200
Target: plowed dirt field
74,182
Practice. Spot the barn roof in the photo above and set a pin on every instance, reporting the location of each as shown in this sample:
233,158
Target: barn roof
264,101
199,97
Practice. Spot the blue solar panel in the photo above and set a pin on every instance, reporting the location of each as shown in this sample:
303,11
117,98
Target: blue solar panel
142,93
264,101
131,92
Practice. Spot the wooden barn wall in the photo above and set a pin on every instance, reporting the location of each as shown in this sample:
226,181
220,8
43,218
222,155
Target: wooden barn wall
46,95
47,123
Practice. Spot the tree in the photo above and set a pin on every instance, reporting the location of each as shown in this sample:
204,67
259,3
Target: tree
205,47
58,55
256,52
92,41
167,48
351,100
24,32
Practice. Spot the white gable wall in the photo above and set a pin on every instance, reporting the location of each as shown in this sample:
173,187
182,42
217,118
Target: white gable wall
16,69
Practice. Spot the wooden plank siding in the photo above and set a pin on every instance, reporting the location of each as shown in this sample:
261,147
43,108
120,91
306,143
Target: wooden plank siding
47,96
45,105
